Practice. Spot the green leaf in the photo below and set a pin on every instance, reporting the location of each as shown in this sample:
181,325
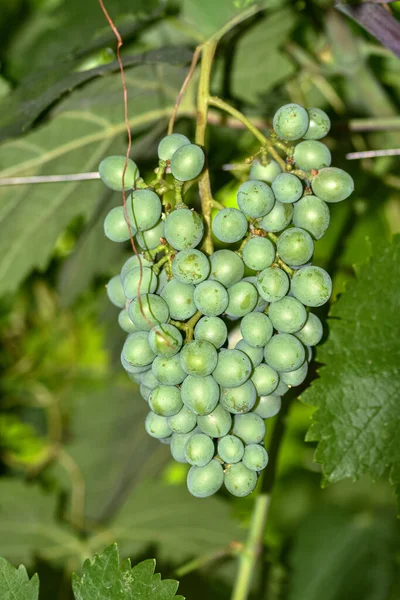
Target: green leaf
357,423
338,556
15,583
105,578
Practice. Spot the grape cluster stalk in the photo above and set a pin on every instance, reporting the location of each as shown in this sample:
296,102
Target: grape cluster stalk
209,399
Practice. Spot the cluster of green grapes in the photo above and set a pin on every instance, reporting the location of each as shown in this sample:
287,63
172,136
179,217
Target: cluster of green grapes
207,399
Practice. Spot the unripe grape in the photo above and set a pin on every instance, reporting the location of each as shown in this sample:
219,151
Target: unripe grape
268,406
183,228
240,399
180,299
211,329
145,392
279,217
311,154
287,188
261,303
144,209
210,298
312,286
115,291
256,329
311,333
151,238
165,400
284,353
255,457
170,144
125,322
242,298
205,481
190,266
272,284
258,253
149,380
132,369
239,480
178,443
199,449
168,370
295,246
230,225
116,227
255,354
319,124
137,350
165,340
295,377
265,379
183,422
266,172
287,315
291,122
312,214
198,358
157,426
139,281
187,162
280,390
255,198
230,449
250,428
148,310
226,267
332,184
133,262
200,394
111,170
217,423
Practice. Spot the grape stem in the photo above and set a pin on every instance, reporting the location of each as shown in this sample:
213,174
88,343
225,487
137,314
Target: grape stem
188,327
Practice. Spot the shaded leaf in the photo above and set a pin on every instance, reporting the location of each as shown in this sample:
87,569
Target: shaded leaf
15,583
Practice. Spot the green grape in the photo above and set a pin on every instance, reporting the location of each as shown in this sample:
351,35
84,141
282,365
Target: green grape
243,297
332,184
144,209
265,173
311,333
198,358
124,321
311,154
187,162
226,267
135,377
139,281
165,400
229,225
272,284
168,370
239,480
149,380
284,353
170,144
162,281
178,443
312,214
183,422
190,266
199,450
233,368
151,238
267,406
290,122
183,228
148,310
239,399
279,217
312,286
205,481
287,188
256,329
255,354
230,449
287,315
258,253
255,457
180,299
250,428
115,292
265,379
217,423
145,392
255,198
116,227
295,246
281,389
319,124
261,303
211,298
132,369
111,172
211,329
136,349
157,426
165,340
200,394
133,262
295,377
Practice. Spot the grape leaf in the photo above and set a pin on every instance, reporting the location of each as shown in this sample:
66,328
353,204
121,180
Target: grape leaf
15,583
357,423
106,578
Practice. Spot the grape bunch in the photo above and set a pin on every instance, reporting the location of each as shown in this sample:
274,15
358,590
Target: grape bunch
208,397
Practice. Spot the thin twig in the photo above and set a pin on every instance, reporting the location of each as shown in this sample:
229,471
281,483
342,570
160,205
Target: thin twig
373,153
49,178
182,91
